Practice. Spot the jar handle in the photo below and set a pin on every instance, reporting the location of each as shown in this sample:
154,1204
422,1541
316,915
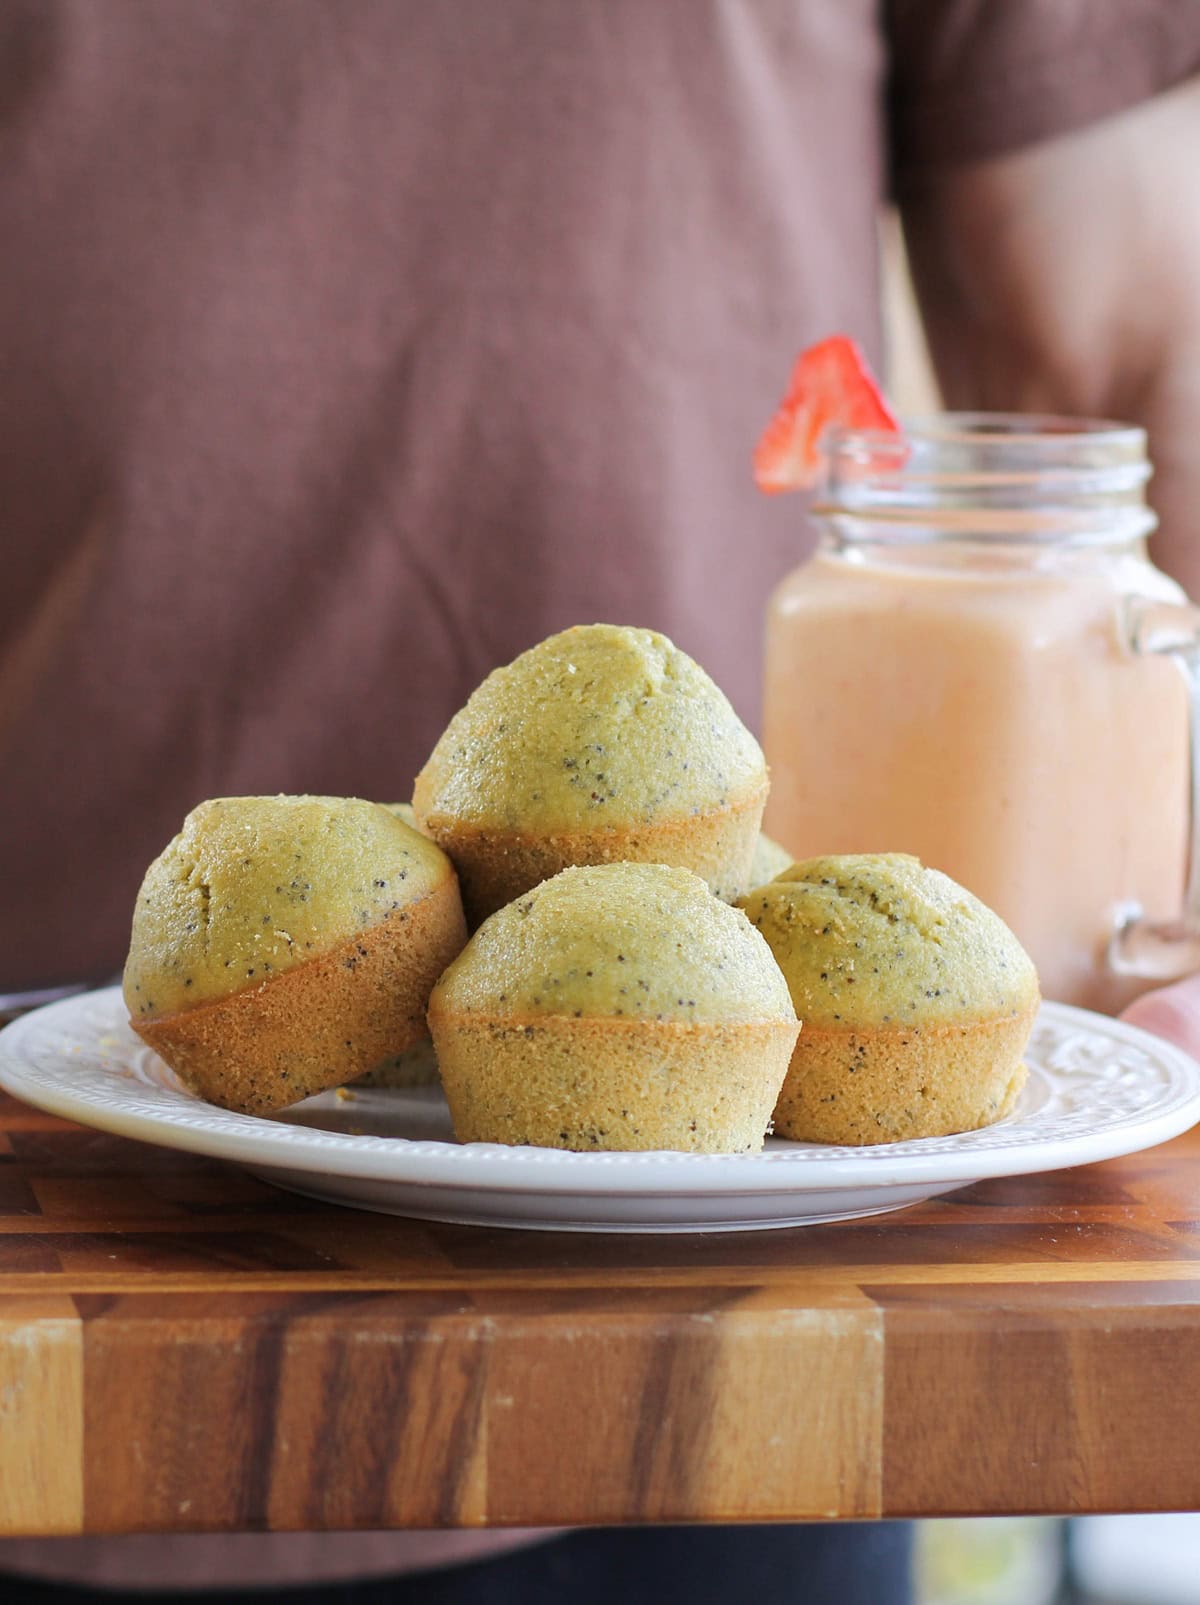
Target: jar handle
1165,950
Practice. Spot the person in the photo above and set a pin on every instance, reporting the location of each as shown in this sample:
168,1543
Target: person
349,348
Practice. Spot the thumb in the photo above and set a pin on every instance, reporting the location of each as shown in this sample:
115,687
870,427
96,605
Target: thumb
1172,1012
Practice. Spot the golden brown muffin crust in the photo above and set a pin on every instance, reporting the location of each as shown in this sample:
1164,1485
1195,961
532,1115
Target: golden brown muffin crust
321,1023
496,867
892,1085
626,1085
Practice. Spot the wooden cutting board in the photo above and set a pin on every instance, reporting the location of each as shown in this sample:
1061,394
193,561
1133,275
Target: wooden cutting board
185,1348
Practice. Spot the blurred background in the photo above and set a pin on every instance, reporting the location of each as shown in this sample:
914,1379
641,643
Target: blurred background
910,380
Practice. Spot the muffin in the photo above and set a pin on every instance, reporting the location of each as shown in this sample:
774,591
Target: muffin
615,1007
602,744
917,1000
416,1066
283,945
769,860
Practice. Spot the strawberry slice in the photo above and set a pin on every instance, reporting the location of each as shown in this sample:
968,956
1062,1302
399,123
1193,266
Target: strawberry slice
830,384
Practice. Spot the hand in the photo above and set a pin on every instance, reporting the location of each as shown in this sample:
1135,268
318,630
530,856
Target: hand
1172,1012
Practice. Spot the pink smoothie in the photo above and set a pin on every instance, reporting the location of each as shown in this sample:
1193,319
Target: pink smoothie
988,716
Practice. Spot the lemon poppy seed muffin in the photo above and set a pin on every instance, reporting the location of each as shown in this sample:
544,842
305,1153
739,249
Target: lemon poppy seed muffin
620,1006
769,860
602,744
917,1000
416,1066
404,813
284,945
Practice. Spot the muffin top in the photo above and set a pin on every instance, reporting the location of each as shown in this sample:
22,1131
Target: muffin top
639,941
600,726
878,940
253,886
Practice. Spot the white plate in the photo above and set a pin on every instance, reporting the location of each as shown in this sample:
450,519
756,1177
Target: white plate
1096,1089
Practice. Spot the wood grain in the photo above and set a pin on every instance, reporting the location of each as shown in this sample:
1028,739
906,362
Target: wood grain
41,1416
183,1348
1101,1400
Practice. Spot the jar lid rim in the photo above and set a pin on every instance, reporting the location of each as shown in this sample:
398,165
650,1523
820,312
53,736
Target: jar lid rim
1031,431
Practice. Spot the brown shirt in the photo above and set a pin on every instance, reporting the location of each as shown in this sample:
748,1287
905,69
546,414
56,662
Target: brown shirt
347,347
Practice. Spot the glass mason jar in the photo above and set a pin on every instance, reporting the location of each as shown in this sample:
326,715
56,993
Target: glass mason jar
981,666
